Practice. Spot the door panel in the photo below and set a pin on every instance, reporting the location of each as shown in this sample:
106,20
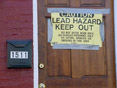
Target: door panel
57,2
92,3
76,68
77,83
58,62
94,62
91,63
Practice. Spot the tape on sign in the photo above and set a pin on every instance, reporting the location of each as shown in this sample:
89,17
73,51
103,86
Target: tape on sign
75,10
50,30
75,46
102,31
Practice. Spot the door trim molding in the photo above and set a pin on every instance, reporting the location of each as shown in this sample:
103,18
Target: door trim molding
115,27
35,41
35,45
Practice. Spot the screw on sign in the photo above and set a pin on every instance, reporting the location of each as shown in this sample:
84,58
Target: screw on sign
42,85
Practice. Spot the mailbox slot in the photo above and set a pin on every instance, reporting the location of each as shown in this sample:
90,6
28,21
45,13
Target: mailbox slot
19,53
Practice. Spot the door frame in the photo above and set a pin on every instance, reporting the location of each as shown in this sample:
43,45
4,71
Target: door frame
115,28
35,45
35,42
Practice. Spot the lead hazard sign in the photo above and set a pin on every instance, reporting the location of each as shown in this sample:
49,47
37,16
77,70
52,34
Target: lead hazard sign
74,28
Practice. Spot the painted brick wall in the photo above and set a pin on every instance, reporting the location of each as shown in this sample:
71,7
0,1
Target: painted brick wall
15,23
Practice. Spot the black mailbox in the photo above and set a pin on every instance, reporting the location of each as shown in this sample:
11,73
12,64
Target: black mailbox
19,53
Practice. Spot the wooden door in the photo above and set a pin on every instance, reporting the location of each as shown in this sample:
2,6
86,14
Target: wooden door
76,68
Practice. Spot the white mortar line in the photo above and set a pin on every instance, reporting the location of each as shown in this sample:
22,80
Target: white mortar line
35,44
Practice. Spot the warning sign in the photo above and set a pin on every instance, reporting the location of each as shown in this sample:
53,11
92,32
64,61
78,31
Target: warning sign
74,28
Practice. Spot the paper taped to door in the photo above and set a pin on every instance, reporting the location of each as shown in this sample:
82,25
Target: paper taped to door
73,28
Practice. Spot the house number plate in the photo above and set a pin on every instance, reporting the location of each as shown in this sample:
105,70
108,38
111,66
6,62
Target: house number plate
18,54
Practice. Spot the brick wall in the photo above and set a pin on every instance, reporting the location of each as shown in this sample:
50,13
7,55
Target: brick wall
15,23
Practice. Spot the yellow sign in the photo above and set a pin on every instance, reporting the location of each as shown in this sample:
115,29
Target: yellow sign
74,28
